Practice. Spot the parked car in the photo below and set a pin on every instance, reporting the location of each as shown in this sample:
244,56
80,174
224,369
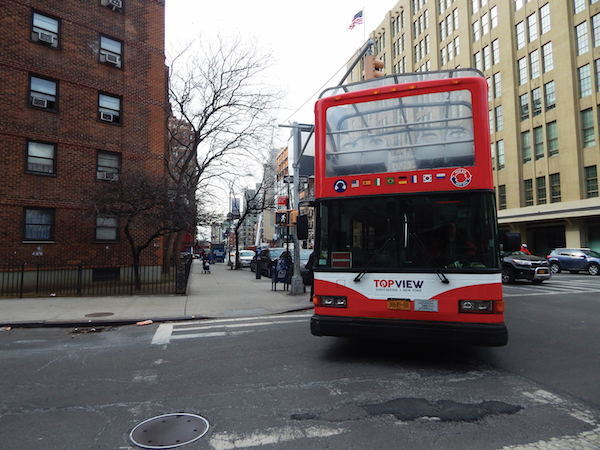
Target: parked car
267,256
271,254
522,266
246,257
574,260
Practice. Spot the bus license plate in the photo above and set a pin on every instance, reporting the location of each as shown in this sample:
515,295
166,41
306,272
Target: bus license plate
396,304
422,304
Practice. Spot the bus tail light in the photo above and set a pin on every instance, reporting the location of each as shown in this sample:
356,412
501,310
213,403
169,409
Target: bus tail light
477,306
329,301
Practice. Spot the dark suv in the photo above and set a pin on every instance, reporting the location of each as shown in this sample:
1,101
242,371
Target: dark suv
574,260
267,256
520,265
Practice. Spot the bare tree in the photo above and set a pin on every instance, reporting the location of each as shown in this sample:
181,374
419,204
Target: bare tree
147,206
219,94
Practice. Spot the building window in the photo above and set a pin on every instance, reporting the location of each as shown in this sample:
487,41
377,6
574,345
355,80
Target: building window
538,142
549,95
499,120
591,182
111,51
500,149
578,5
581,36
455,18
520,29
596,30
524,106
495,52
38,224
487,59
109,109
497,85
597,73
552,138
107,228
536,102
522,67
585,81
532,27
477,61
518,4
528,191
526,146
502,196
545,18
456,46
41,158
534,64
587,128
540,185
547,57
491,119
485,24
494,16
476,31
108,166
493,150
45,29
555,188
43,93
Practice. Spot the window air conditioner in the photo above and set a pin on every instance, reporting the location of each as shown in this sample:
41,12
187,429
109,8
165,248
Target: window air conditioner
109,176
45,37
39,102
106,117
116,3
112,58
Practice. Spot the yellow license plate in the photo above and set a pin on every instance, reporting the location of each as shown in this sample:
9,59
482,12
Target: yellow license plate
402,305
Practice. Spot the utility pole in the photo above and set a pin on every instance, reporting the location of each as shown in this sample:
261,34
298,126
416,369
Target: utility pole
297,129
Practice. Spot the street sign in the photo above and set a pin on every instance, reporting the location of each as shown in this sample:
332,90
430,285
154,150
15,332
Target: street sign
290,179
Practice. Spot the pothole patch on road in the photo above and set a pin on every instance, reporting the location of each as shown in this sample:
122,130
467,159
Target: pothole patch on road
83,330
100,314
169,431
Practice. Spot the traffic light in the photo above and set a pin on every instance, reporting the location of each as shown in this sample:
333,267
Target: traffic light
373,67
282,218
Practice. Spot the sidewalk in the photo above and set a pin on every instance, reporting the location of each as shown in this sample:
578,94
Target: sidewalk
221,293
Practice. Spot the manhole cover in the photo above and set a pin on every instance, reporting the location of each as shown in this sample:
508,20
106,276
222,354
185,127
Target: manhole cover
100,314
169,431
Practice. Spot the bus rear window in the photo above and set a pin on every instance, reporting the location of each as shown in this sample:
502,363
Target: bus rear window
426,131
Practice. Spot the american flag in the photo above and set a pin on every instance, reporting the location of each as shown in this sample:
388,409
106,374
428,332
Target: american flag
357,20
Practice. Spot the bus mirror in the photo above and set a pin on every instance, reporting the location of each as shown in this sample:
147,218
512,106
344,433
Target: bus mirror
511,242
302,227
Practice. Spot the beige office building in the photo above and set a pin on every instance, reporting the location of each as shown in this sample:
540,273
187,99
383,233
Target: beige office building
541,59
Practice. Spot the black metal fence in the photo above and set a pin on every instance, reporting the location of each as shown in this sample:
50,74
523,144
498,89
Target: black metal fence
42,280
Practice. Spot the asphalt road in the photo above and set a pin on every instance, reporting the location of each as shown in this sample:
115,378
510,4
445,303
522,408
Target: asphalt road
268,383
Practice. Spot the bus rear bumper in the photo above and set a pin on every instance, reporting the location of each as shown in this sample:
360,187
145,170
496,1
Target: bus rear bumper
480,334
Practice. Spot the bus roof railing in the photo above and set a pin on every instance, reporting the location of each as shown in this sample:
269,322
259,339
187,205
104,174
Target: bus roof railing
400,78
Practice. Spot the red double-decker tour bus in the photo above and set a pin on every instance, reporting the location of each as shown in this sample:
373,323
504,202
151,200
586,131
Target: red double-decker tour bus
406,241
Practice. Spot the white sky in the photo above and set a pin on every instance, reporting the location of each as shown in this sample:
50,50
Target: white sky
310,40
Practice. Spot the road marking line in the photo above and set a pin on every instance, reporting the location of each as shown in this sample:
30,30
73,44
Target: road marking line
229,441
163,334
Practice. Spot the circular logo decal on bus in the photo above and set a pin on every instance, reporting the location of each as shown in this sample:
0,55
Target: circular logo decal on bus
340,186
461,177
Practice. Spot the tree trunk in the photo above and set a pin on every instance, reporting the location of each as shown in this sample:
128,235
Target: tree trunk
168,252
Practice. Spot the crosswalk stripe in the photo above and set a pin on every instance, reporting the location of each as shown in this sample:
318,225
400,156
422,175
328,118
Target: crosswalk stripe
166,332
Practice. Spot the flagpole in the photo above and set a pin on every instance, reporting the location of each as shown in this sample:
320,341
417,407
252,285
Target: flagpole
364,25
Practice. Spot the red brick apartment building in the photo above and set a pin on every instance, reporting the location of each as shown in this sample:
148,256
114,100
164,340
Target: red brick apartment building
83,86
